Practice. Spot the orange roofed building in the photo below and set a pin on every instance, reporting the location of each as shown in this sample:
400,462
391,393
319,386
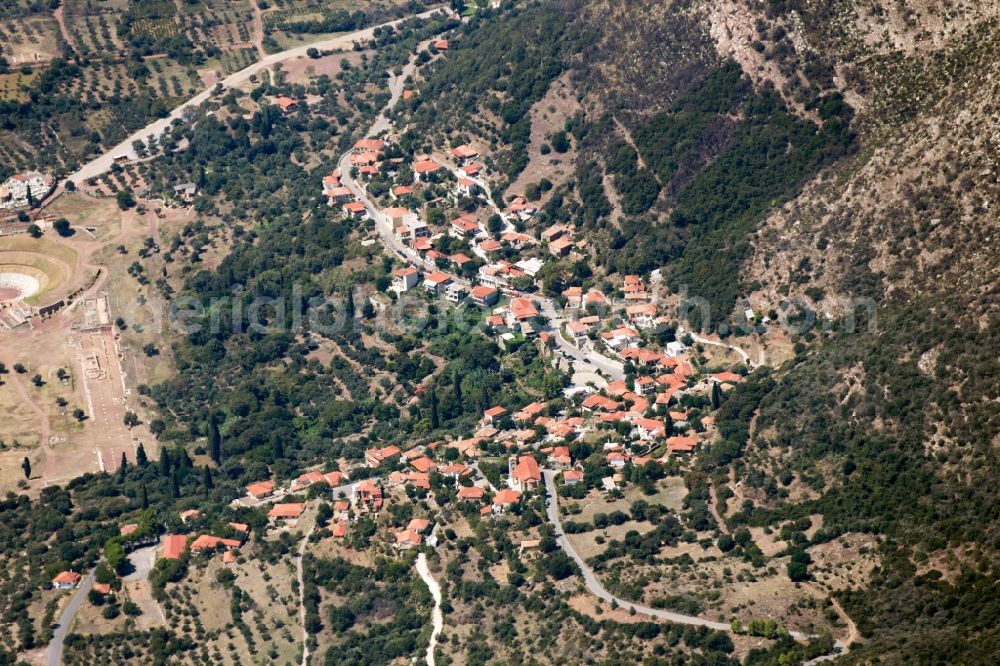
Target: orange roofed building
524,474
471,493
209,542
66,580
375,457
368,496
284,512
681,444
260,490
504,499
287,104
174,546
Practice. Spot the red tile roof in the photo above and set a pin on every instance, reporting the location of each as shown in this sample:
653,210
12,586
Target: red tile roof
374,145
437,277
209,542
67,578
423,464
426,166
507,496
174,546
290,510
471,493
523,308
261,488
526,470
464,152
482,291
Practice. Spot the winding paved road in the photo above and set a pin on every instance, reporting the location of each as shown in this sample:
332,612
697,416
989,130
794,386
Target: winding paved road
104,163
437,619
591,580
598,590
53,654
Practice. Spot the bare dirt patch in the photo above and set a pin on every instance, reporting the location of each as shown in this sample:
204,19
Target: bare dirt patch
301,70
548,116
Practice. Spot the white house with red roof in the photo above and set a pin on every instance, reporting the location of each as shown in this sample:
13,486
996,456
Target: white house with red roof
375,457
467,187
643,315
355,210
504,499
260,490
524,473
66,580
464,154
422,169
621,337
436,282
405,279
471,170
483,295
464,226
649,429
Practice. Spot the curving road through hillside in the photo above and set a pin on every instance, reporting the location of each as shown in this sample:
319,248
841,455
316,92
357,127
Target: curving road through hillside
594,584
104,162
597,589
53,654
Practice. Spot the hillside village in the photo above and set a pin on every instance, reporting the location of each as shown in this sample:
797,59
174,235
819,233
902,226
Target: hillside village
643,401
602,443
646,403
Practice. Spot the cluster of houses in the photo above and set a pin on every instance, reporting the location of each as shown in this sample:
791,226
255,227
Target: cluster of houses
504,260
630,413
508,264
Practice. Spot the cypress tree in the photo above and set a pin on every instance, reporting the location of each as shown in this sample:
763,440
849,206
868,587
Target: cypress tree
26,467
435,419
457,387
215,441
350,302
140,456
206,478
175,485
278,448
716,395
164,463
122,466
144,498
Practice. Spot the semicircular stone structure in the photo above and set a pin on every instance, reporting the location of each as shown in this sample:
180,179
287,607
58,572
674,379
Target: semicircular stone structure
17,286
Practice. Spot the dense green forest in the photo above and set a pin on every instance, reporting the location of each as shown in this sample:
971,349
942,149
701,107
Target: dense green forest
500,67
724,155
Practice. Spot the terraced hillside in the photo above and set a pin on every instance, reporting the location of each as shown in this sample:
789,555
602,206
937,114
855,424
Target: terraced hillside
124,63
